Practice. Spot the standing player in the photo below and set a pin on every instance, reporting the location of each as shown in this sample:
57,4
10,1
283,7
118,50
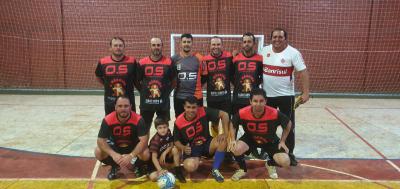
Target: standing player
218,66
117,74
259,123
155,75
280,61
127,136
192,136
189,70
247,73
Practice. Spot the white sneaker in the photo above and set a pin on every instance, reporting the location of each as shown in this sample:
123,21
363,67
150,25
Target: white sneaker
238,175
271,171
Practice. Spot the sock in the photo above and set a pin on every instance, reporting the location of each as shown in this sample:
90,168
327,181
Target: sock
109,161
218,158
242,164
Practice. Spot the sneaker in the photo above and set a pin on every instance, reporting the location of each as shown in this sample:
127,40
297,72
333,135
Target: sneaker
271,171
293,160
238,175
113,173
140,171
217,175
180,177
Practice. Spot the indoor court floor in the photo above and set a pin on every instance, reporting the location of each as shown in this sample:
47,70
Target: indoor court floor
47,141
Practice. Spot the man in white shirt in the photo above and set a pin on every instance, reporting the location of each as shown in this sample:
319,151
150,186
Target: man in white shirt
280,60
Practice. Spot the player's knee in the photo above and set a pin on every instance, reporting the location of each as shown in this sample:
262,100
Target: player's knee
190,165
100,155
282,159
175,151
240,149
145,155
222,145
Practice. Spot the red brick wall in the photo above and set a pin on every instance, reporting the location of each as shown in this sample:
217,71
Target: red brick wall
348,46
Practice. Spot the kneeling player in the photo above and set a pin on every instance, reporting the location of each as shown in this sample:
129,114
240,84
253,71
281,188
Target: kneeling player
259,123
128,139
191,135
163,151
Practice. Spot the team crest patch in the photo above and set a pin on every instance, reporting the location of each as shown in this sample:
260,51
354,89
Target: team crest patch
268,55
282,61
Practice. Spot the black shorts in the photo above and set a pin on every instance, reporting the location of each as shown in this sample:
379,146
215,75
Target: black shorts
149,114
121,150
221,105
109,104
200,150
270,148
178,105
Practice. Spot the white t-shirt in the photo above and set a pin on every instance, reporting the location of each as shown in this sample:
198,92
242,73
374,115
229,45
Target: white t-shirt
278,70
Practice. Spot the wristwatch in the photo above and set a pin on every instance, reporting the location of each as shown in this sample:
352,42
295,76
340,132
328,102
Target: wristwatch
133,160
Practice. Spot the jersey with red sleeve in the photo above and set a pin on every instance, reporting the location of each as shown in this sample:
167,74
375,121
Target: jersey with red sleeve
261,130
118,77
155,78
124,135
195,132
247,74
218,74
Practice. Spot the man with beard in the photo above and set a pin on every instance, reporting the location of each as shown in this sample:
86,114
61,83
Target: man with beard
217,69
117,74
247,73
259,123
122,139
188,69
156,77
192,136
280,61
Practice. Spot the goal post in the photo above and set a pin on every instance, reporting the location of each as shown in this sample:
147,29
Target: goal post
174,39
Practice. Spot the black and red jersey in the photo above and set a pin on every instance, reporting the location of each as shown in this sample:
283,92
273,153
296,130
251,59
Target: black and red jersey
195,132
123,134
247,74
118,77
155,78
261,130
188,70
158,143
218,74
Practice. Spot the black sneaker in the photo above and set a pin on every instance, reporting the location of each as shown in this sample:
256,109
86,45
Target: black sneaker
113,173
293,160
179,175
140,171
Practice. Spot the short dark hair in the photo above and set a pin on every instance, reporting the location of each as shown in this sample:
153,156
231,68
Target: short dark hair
191,100
160,121
280,29
187,35
250,35
257,91
117,38
216,37
122,97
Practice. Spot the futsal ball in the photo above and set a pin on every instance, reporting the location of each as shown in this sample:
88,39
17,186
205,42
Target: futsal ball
166,181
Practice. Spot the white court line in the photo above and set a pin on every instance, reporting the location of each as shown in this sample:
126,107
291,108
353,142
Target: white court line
393,165
95,170
335,171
